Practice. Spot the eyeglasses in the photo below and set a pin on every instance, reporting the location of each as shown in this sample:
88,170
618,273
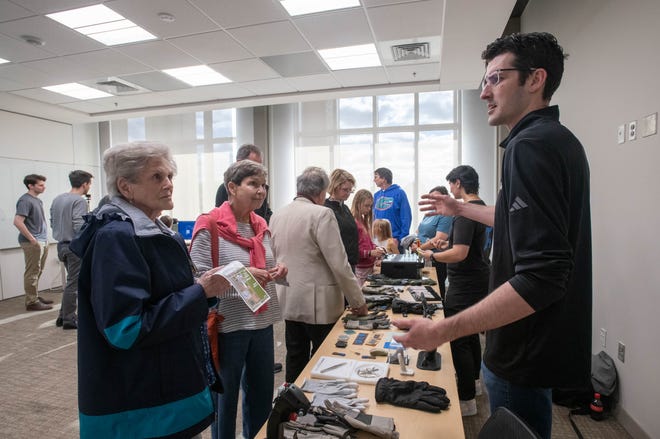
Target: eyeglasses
349,190
494,78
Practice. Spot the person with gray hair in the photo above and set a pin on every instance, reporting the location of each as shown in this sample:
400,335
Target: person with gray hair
252,152
234,232
140,311
306,238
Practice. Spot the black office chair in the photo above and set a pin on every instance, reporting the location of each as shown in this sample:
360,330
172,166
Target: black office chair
505,424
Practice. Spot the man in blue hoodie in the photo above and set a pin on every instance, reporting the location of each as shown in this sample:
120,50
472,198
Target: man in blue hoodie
391,203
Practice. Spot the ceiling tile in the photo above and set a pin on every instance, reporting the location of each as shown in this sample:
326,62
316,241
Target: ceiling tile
11,11
25,75
296,64
232,13
414,72
158,54
269,87
9,85
314,82
370,3
59,71
39,94
155,81
336,29
46,7
407,20
271,39
20,51
209,93
211,47
58,39
245,70
144,13
109,62
359,77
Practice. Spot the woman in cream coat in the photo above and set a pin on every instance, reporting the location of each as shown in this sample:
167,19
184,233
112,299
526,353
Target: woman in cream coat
305,237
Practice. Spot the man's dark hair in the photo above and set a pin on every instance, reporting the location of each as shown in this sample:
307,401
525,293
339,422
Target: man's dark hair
245,150
384,173
468,177
32,179
77,178
443,190
535,50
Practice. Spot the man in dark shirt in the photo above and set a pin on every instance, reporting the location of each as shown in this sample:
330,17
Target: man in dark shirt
538,314
246,152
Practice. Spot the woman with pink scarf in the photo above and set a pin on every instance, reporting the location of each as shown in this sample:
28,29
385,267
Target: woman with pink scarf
245,338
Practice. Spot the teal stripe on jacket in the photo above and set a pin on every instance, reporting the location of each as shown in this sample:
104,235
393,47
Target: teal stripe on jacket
157,421
124,333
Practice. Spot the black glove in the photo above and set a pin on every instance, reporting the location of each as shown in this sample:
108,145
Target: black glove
418,395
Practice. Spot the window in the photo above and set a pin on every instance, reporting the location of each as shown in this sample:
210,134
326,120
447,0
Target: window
414,134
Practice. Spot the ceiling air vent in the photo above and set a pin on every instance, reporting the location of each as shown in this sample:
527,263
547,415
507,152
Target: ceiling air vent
118,86
409,52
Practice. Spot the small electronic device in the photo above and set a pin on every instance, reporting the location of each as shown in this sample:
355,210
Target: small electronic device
406,266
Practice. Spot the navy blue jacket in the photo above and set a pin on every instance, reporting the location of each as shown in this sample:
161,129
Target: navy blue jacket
140,361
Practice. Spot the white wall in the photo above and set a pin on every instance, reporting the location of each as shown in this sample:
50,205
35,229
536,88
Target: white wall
479,144
611,78
45,147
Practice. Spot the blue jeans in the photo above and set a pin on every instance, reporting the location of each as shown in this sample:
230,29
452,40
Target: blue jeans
533,404
246,362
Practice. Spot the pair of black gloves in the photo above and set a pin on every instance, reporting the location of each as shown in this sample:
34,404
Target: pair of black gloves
418,395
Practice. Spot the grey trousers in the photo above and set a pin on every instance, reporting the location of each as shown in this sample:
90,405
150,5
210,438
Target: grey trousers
70,294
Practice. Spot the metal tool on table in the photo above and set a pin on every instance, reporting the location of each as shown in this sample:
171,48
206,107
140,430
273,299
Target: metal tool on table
405,370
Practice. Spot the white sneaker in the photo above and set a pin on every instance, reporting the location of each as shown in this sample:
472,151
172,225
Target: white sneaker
478,388
468,408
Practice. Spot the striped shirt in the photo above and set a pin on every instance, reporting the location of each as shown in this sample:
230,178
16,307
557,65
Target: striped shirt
236,313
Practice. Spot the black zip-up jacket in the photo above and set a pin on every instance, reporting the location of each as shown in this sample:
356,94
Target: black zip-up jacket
542,246
347,229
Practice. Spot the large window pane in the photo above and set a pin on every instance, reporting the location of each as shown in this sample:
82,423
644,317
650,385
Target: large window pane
187,184
356,112
312,156
355,154
199,125
136,130
436,107
396,110
224,123
396,151
437,156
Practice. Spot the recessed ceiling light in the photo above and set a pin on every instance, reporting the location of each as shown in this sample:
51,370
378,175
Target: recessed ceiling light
2,61
197,75
301,7
78,91
102,24
351,57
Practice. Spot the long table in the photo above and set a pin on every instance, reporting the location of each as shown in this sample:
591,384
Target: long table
410,423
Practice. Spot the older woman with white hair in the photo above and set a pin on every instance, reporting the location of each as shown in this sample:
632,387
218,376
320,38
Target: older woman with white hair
306,238
234,232
141,364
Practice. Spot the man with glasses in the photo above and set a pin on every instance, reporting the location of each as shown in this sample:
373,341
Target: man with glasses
538,314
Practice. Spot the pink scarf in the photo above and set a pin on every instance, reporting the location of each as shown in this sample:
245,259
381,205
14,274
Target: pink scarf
227,230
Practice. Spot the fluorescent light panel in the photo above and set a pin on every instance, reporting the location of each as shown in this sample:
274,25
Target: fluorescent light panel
301,7
102,24
78,91
2,60
197,75
351,57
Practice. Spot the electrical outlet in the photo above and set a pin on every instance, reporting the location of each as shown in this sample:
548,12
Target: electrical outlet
622,352
603,337
632,130
621,134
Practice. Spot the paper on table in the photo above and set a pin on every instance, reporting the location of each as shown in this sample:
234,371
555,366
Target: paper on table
365,372
245,284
